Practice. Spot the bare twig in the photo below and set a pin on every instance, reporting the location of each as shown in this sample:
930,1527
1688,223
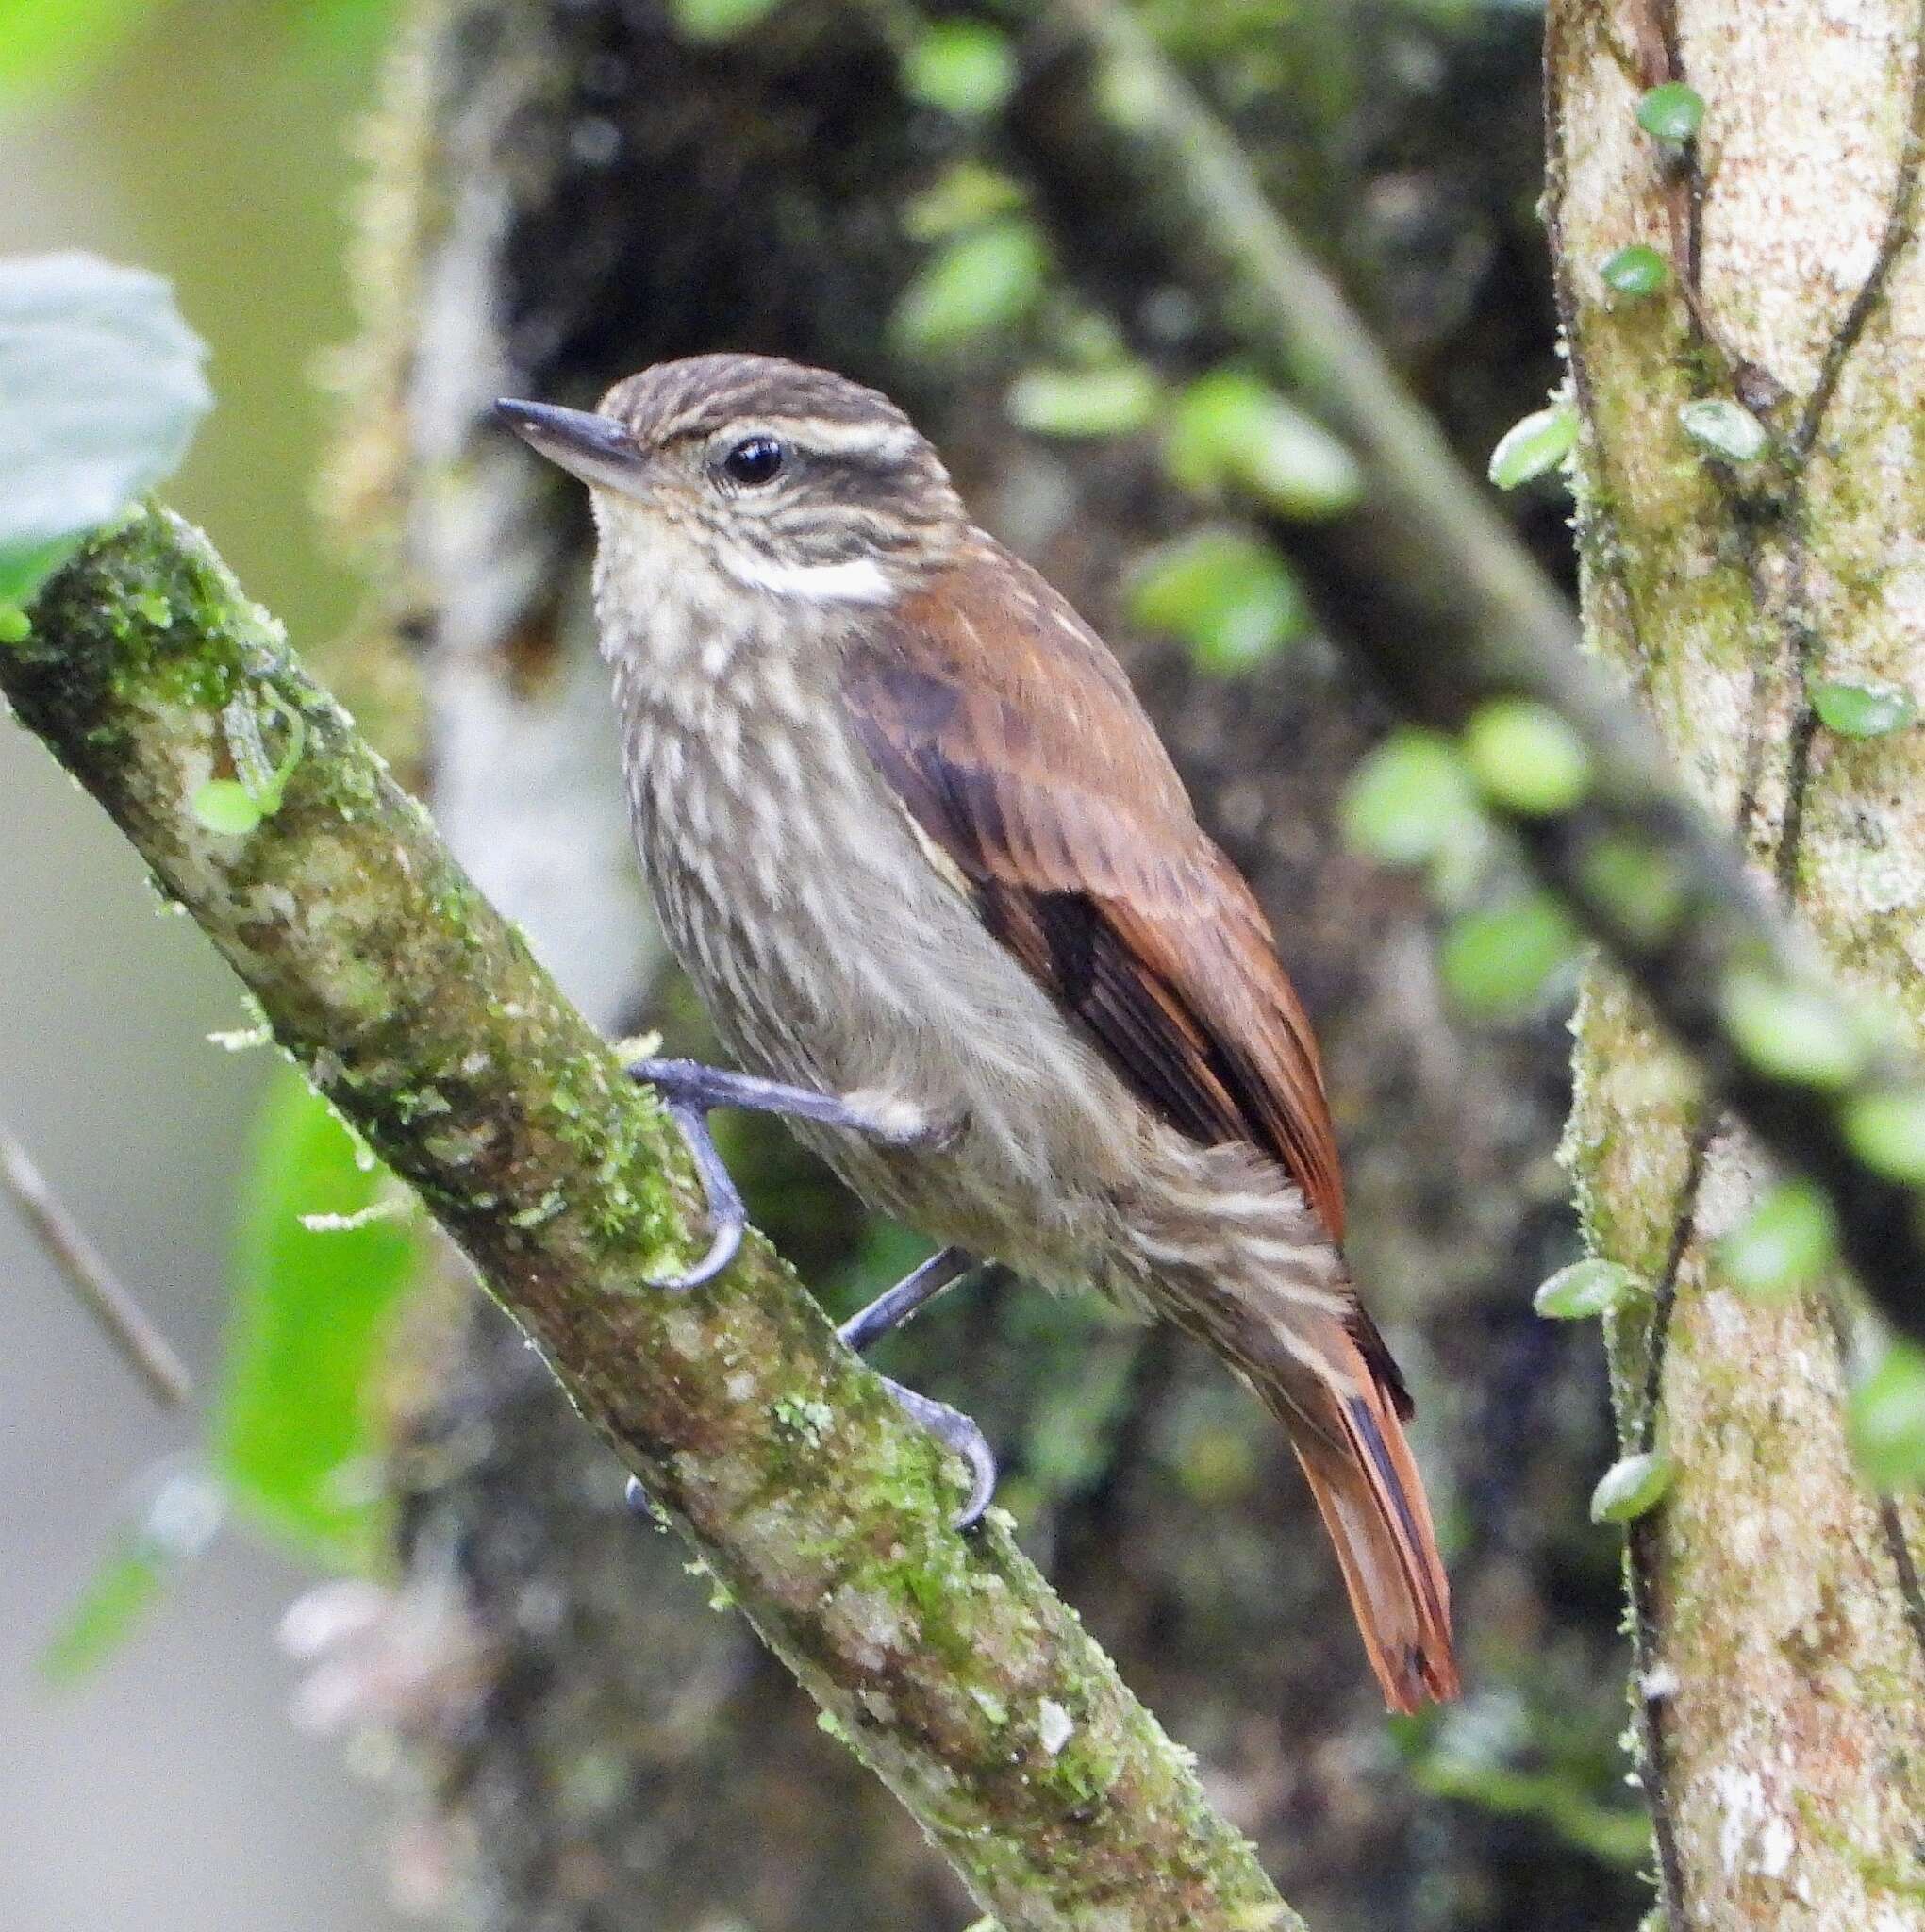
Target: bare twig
122,1318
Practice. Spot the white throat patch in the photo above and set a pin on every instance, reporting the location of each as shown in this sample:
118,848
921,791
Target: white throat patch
861,580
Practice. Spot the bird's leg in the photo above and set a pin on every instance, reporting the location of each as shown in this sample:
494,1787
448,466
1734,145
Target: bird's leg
950,1426
689,1089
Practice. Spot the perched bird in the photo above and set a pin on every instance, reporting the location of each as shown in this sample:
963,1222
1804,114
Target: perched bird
944,898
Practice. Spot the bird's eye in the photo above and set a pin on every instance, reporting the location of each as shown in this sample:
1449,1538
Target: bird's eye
757,460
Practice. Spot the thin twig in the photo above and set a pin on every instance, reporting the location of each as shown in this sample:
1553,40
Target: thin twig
120,1318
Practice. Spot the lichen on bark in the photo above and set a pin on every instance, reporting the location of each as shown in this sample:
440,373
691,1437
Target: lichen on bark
1781,1686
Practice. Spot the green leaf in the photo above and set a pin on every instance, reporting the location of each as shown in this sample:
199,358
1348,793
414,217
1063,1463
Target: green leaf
975,286
1635,272
1497,960
1886,1131
1786,1242
1231,598
1863,711
1671,112
1587,1289
1231,428
46,44
1526,758
310,1309
961,66
179,1523
1726,428
714,20
1540,442
1792,1032
101,391
1886,1420
226,805
1631,1487
963,196
1409,799
1108,401
1637,883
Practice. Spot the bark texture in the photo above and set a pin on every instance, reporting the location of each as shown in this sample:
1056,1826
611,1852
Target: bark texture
563,194
1782,1683
944,1662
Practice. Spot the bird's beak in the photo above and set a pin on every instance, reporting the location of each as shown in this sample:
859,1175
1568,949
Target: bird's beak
597,449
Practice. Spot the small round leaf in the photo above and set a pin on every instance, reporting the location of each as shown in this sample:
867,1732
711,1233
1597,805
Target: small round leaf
1540,442
1672,112
981,282
1635,272
961,66
1863,711
1497,960
1112,400
1725,428
1585,1289
1786,1243
1408,799
1886,1420
1632,1487
1526,758
1886,1131
226,805
1228,595
1791,1031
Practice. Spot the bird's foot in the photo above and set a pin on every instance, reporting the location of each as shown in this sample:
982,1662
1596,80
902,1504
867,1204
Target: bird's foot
950,1426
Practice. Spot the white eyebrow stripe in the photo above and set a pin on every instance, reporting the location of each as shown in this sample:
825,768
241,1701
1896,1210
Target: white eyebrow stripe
886,441
861,580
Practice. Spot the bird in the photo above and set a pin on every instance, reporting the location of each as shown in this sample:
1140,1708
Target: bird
949,908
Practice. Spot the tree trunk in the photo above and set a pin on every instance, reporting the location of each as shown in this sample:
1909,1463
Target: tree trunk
1781,1685
561,194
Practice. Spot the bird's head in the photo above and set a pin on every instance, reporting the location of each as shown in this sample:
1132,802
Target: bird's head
754,474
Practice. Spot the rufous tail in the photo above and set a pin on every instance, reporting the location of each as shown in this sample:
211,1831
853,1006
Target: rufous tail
1353,1449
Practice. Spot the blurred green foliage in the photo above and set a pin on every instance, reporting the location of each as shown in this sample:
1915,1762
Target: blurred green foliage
101,392
1786,1243
1227,593
311,1310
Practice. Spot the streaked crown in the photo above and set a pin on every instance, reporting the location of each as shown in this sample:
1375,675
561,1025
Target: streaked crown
797,478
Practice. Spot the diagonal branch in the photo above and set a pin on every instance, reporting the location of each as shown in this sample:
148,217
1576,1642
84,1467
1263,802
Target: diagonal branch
945,1662
1448,611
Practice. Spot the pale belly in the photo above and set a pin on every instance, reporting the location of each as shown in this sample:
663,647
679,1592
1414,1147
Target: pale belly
830,953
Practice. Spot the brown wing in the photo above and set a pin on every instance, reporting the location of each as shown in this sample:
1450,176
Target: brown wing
1015,743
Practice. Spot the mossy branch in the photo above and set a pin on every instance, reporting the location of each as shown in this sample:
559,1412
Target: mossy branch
1448,611
945,1662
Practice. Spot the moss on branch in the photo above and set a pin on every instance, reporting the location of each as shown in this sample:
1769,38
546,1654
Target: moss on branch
945,1661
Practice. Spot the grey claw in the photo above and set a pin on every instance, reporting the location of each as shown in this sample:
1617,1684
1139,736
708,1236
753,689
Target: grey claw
726,1214
955,1431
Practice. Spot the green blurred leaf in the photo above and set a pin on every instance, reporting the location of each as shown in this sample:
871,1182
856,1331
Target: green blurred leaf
1636,882
1886,1420
1107,401
101,391
1409,798
46,44
1632,1487
1726,428
1497,960
1227,596
310,1309
1540,442
1862,711
1231,428
1792,1032
1886,1131
963,196
179,1520
1525,757
1673,112
978,284
1635,272
1786,1242
962,66
1585,1289
714,20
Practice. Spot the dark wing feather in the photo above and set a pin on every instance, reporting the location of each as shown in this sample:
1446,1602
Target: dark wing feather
1013,740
